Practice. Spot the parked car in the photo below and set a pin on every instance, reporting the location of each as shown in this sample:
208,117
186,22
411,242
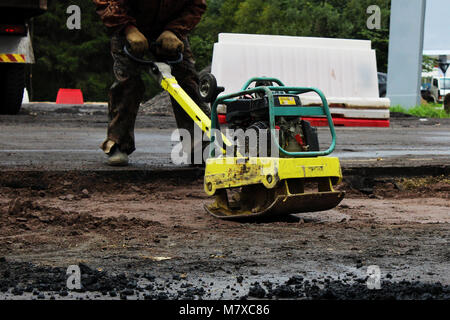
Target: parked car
382,84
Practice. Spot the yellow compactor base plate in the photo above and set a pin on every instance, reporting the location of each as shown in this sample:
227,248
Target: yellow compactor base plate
268,187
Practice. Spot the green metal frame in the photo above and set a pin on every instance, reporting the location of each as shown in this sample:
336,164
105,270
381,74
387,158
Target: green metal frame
280,111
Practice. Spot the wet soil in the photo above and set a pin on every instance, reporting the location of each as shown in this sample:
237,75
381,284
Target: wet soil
150,238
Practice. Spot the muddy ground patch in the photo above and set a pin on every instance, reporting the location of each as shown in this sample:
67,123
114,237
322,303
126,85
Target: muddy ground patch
151,238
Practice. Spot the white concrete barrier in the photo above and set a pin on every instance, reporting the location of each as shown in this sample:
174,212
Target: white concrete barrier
345,70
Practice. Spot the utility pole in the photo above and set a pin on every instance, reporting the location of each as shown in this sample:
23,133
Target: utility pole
405,52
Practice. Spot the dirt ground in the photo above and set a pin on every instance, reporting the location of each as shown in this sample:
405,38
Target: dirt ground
152,239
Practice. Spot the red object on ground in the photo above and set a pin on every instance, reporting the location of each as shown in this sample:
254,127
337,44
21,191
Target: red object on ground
349,122
338,122
70,96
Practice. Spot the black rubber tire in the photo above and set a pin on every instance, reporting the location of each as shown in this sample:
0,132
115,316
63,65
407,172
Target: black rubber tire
12,84
207,87
447,103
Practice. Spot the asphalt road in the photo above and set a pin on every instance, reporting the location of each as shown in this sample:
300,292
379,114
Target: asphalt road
55,137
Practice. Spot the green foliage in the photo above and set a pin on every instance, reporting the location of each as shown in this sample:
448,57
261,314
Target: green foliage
429,111
311,18
70,58
81,58
399,109
429,63
423,111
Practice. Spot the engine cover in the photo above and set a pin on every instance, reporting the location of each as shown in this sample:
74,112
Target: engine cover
242,112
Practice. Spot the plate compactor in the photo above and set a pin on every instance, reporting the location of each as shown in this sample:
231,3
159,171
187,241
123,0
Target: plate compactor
253,182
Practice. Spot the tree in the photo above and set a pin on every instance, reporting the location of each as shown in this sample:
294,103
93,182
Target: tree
312,18
81,58
70,58
429,63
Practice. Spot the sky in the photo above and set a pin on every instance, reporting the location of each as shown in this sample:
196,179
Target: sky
437,26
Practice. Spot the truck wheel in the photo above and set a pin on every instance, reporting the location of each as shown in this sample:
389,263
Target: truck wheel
431,99
12,84
447,103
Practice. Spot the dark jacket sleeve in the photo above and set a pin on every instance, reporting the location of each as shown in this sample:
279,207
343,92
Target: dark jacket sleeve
114,14
186,21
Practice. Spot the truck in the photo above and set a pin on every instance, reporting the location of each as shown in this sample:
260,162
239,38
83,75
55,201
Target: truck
16,50
435,86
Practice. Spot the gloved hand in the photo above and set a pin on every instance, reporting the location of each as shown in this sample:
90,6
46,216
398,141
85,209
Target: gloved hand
168,43
136,39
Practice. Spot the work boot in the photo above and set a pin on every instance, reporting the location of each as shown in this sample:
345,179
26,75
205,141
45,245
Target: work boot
118,159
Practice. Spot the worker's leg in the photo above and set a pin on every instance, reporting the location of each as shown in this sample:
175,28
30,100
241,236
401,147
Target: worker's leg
125,97
187,77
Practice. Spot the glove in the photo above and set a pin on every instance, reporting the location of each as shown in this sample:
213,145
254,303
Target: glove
168,43
136,39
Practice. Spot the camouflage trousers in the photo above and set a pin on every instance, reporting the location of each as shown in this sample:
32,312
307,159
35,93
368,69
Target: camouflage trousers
127,92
